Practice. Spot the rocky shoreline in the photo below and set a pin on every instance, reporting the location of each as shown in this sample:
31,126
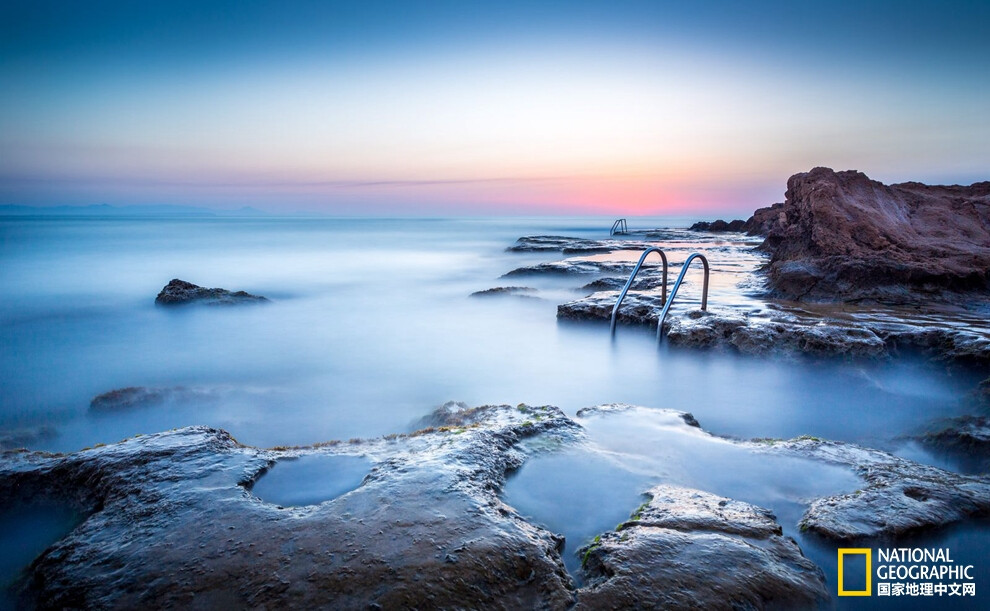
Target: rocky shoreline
847,267
840,236
170,520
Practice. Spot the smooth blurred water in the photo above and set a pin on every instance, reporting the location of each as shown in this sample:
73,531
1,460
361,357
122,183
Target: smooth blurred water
372,325
589,489
28,527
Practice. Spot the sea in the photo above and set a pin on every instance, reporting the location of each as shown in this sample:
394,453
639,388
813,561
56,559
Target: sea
372,324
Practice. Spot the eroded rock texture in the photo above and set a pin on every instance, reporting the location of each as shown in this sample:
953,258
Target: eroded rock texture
171,524
652,561
179,292
900,497
842,236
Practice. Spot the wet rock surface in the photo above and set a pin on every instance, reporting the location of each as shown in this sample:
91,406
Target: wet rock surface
171,524
171,521
901,496
742,318
180,292
790,331
898,496
680,530
965,437
841,236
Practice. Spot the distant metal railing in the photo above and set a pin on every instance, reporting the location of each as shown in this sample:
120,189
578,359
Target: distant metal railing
677,285
632,276
619,227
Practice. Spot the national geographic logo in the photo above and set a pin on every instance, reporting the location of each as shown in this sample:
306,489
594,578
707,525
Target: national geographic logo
855,551
903,571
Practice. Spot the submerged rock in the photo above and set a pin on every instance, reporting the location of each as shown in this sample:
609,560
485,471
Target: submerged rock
841,236
967,437
691,549
25,437
171,523
515,291
143,396
614,408
569,267
566,245
178,292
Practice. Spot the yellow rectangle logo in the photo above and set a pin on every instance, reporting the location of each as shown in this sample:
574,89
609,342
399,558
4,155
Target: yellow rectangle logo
858,551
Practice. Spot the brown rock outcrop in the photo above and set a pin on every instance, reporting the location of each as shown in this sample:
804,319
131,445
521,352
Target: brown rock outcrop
841,236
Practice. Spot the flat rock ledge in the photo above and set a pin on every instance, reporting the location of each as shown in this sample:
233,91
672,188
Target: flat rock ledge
777,331
171,523
901,497
180,292
677,531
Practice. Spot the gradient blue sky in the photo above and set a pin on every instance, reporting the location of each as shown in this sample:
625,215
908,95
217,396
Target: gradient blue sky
460,107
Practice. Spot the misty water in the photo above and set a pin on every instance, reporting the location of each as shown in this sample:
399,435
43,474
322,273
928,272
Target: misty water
326,477
371,325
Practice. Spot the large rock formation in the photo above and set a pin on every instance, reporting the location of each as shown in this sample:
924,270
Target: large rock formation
842,236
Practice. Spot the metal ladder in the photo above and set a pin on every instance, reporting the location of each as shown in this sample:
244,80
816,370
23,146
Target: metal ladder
668,301
619,227
632,276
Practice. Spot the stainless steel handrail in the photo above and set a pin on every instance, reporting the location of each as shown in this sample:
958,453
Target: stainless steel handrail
632,276
673,292
619,226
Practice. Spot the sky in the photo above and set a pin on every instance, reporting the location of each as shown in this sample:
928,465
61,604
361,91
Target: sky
407,108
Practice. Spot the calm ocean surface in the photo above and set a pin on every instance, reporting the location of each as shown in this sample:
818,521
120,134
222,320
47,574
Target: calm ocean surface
371,326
